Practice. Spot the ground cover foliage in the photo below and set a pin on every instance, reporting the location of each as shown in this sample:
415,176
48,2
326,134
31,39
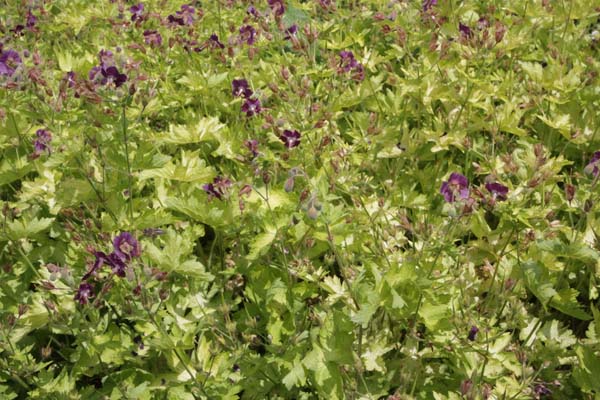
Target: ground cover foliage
299,199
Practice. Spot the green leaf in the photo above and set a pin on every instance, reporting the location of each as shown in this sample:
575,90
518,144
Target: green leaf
296,376
23,228
261,243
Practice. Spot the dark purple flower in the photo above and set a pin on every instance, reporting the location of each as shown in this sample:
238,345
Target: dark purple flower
251,107
472,333
252,145
153,38
290,139
465,30
291,32
126,246
240,88
9,61
429,4
112,74
84,293
498,190
593,167
277,7
457,185
248,34
117,264
209,188
173,20
41,142
218,188
214,42
136,11
18,30
183,17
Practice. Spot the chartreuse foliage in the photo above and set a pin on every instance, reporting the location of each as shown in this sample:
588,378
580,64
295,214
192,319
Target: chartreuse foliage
352,199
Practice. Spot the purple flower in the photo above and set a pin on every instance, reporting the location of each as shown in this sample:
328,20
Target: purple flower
209,188
9,61
126,246
252,145
349,63
218,188
247,34
214,42
473,333
106,58
95,73
498,190
593,167
429,4
31,20
41,143
101,259
240,88
117,264
253,12
277,7
112,74
251,107
84,293
291,32
153,38
457,185
483,23
183,17
541,390
136,12
465,30
70,78
290,139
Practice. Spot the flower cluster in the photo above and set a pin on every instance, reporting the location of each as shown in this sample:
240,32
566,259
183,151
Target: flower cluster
456,188
125,248
251,106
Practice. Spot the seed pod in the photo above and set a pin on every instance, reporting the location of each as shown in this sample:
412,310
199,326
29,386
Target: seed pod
289,184
312,212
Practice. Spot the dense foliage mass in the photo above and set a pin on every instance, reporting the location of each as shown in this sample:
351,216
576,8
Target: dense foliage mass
286,199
